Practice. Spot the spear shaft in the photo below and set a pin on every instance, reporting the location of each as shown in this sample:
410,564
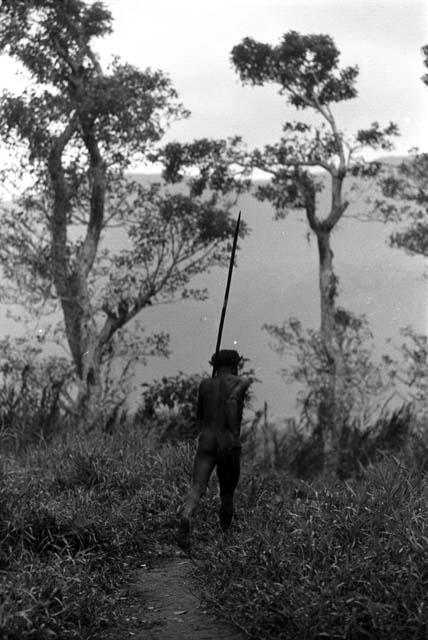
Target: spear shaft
226,295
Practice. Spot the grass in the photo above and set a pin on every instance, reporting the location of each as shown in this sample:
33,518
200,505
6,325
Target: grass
325,559
75,518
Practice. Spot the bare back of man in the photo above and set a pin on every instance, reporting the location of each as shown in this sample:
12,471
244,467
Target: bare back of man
219,416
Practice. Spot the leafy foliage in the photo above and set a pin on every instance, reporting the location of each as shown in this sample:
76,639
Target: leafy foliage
408,370
304,65
306,70
364,381
220,165
405,198
171,401
31,393
389,433
425,53
122,109
405,201
80,128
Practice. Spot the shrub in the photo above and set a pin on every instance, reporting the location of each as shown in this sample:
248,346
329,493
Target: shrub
171,402
29,403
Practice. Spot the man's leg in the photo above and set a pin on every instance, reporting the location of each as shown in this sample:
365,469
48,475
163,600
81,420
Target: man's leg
228,468
202,468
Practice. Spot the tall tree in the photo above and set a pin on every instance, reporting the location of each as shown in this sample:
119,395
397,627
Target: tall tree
405,197
308,159
404,201
80,127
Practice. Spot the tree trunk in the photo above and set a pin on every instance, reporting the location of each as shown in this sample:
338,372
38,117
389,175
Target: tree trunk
90,388
71,277
85,346
330,414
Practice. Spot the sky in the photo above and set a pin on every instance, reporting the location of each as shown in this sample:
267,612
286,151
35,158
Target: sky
191,40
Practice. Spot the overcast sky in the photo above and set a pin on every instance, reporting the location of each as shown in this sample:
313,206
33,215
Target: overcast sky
191,40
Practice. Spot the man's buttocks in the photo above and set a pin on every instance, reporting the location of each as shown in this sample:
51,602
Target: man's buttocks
216,441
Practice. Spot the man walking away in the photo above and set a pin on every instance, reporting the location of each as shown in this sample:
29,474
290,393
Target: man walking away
219,415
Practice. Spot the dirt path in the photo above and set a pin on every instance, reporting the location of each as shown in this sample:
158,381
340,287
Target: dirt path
169,608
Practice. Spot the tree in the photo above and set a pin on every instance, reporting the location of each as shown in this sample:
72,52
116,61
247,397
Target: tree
409,372
80,128
405,197
364,381
308,159
404,201
31,386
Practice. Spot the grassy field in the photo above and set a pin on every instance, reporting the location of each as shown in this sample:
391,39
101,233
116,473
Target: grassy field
304,560
325,560
76,517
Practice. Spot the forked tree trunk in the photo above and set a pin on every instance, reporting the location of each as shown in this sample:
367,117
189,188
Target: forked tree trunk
330,409
71,275
85,346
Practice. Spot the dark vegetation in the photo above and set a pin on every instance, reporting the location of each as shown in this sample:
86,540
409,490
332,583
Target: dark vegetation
319,558
325,560
76,516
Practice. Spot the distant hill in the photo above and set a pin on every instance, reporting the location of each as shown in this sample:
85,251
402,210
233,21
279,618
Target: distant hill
395,160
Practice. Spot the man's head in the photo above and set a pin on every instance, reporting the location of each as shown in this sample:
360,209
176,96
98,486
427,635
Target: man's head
226,360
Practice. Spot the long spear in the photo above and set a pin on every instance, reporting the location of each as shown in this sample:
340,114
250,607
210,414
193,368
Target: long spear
226,295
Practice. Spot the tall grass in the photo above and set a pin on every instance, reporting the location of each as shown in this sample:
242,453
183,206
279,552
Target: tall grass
320,559
324,560
75,515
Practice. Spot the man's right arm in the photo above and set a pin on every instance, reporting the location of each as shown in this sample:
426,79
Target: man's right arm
235,403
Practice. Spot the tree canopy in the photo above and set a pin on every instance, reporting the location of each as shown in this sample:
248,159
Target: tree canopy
80,129
404,198
405,191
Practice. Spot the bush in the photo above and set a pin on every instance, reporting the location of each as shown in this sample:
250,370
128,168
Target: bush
290,447
171,402
390,433
29,405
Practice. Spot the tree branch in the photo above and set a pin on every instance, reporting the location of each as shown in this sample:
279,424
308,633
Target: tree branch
97,200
